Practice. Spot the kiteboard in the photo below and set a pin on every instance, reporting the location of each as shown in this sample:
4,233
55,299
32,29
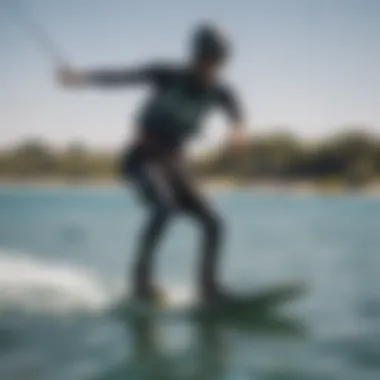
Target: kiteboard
173,306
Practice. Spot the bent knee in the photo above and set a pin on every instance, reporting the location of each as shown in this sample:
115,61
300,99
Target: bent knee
164,211
213,223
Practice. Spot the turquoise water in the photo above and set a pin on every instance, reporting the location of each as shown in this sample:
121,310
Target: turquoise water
65,258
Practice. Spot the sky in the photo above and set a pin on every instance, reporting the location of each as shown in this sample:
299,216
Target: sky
310,67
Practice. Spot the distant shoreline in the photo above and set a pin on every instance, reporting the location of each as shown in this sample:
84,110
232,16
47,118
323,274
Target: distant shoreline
296,187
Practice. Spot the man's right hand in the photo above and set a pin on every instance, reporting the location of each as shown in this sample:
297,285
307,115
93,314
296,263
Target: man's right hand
68,77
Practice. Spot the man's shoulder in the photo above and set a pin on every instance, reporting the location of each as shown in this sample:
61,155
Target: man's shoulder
164,72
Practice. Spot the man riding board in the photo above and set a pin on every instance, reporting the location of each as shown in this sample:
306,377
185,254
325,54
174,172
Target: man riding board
182,95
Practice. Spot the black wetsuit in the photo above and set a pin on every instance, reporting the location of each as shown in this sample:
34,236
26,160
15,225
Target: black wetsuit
174,112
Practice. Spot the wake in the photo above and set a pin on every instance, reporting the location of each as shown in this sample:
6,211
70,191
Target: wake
31,285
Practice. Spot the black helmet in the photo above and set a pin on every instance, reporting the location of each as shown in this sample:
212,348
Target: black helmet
209,43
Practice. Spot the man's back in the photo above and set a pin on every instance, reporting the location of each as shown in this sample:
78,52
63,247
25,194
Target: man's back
180,102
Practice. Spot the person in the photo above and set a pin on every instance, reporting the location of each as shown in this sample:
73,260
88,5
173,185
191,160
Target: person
182,94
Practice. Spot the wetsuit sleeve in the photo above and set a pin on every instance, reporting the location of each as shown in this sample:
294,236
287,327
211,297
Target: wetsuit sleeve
228,101
152,74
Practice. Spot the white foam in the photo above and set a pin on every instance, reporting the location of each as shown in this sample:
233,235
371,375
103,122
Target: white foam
181,295
29,284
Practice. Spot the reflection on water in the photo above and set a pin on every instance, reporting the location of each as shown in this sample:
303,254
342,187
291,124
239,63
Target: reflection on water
207,353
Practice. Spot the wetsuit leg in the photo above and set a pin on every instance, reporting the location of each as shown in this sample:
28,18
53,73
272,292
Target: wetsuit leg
195,204
155,189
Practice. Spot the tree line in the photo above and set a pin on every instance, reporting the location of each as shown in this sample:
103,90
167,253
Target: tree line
353,157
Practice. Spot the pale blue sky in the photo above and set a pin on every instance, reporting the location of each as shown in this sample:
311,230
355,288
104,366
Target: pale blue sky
310,66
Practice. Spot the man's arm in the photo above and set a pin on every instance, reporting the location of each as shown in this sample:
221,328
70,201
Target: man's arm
117,77
232,107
